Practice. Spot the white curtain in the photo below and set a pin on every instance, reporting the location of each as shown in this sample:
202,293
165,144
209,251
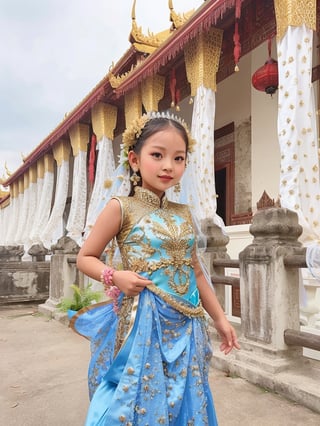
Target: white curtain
198,183
298,139
4,223
77,213
8,223
31,208
299,181
54,228
104,173
22,208
45,187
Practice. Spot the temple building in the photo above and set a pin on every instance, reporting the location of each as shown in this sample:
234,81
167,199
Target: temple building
244,74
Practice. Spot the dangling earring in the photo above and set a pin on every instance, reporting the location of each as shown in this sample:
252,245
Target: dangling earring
177,188
135,179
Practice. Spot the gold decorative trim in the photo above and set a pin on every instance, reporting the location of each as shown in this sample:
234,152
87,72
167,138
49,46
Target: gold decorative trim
21,185
294,13
33,173
40,168
179,306
117,80
15,189
79,138
132,105
48,163
177,19
145,43
202,56
26,180
104,120
61,152
152,91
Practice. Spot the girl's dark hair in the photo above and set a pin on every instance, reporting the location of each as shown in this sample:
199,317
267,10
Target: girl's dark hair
151,127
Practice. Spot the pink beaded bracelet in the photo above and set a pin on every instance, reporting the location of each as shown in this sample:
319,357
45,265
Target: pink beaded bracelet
106,277
111,290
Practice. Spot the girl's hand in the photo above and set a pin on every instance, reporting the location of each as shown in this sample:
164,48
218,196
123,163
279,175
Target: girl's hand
227,334
130,283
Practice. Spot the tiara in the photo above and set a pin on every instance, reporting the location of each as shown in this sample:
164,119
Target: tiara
133,132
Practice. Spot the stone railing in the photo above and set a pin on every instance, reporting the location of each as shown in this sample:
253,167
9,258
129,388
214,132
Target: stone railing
23,281
271,341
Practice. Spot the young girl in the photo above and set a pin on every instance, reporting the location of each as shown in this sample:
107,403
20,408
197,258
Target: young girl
150,348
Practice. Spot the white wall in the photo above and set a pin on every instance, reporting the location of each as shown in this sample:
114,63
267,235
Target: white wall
265,145
237,100
233,102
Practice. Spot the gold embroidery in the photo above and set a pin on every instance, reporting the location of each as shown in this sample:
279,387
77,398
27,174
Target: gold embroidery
175,244
294,13
179,306
124,322
170,254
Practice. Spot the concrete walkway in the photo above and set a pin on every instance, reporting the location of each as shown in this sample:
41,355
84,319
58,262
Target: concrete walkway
43,368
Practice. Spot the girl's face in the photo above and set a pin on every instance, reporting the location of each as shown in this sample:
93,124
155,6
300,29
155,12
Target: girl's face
162,160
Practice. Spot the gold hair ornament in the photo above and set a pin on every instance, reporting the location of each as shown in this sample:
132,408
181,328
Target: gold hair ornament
134,130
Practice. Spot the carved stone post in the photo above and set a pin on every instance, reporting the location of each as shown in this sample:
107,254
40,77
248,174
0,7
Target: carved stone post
63,273
11,253
38,253
269,290
216,249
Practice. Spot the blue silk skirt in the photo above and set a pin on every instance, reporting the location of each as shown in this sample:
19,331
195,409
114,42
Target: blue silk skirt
160,374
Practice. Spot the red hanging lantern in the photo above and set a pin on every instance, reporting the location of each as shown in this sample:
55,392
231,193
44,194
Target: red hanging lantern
265,78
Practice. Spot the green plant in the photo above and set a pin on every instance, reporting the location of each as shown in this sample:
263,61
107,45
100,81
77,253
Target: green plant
81,297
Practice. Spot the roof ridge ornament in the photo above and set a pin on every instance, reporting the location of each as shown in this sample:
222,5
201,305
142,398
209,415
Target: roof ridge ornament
145,43
179,19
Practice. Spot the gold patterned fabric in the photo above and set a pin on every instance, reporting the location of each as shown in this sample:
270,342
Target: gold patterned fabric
295,13
150,360
157,237
202,56
297,130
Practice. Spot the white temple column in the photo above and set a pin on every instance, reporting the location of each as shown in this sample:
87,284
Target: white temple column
79,137
104,120
45,189
9,225
22,210
202,62
54,229
31,194
297,129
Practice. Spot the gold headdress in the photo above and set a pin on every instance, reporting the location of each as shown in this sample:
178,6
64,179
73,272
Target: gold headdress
134,130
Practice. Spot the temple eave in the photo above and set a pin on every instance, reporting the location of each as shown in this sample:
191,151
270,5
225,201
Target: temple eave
202,20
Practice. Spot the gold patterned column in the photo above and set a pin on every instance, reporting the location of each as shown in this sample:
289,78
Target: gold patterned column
133,105
202,56
104,120
295,13
20,185
79,138
40,168
26,181
297,120
33,174
14,189
61,152
48,164
152,91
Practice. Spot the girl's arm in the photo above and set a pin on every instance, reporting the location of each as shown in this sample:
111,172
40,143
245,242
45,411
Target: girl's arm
212,306
88,260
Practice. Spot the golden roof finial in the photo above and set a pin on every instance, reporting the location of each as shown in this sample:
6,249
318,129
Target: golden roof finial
133,11
177,19
145,43
7,170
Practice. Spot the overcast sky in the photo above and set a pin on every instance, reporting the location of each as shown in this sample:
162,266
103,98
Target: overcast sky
53,52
